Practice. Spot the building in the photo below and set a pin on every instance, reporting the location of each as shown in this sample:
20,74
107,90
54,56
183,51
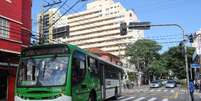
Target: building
106,56
15,32
99,27
47,29
197,54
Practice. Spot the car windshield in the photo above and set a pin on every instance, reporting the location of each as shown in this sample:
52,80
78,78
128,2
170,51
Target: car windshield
170,81
48,71
155,81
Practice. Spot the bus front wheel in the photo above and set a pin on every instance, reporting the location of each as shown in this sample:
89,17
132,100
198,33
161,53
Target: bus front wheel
92,96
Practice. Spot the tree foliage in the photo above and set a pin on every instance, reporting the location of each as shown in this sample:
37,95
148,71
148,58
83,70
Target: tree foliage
175,60
158,68
143,52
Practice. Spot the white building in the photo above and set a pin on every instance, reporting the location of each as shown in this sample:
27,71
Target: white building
99,27
197,42
46,24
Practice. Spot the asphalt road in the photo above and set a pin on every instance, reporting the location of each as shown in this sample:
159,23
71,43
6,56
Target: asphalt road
145,93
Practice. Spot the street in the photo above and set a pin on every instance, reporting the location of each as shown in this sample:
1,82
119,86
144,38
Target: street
145,93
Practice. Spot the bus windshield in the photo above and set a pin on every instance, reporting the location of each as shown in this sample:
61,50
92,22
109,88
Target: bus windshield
48,71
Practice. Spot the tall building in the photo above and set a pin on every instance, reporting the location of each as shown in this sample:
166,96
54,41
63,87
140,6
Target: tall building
99,27
46,26
15,32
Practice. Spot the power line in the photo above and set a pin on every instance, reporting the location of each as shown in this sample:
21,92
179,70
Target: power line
59,8
65,12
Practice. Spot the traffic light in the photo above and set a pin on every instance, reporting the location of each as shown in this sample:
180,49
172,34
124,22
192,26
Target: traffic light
190,37
123,28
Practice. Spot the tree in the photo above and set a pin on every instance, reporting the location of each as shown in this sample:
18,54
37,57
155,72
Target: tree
175,60
142,53
158,68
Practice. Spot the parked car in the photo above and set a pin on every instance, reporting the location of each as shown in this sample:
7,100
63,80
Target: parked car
155,84
171,84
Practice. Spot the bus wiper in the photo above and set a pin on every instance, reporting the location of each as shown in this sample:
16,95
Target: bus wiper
44,70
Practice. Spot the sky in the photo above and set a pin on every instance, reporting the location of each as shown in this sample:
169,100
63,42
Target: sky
186,13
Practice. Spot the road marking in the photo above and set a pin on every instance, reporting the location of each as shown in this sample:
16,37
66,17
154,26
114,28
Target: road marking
140,99
176,95
127,99
152,99
165,90
159,90
172,91
165,99
152,90
146,90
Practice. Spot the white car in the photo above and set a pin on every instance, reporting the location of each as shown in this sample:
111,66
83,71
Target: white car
155,84
171,84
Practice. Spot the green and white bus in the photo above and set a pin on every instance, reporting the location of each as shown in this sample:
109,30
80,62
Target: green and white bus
62,72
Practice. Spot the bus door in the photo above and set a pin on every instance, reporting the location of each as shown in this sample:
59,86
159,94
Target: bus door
102,79
3,86
79,87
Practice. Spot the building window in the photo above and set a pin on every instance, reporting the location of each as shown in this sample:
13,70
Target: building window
4,28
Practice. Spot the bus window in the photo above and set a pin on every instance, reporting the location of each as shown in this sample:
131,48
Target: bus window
92,63
78,67
111,72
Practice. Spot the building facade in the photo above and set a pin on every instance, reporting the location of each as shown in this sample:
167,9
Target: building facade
197,54
99,27
15,32
49,28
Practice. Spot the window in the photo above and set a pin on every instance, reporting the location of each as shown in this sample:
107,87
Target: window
78,67
4,28
111,72
92,63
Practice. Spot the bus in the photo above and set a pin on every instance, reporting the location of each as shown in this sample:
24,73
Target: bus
65,72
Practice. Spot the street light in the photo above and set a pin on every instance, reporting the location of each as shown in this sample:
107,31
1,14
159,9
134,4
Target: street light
147,25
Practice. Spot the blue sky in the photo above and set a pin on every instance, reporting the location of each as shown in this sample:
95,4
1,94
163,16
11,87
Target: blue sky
183,12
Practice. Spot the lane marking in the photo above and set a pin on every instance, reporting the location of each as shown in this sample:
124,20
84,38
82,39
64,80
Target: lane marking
172,91
176,95
165,90
152,99
127,99
140,99
165,99
159,90
152,90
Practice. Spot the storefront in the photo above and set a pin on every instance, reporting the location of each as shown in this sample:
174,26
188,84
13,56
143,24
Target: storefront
8,66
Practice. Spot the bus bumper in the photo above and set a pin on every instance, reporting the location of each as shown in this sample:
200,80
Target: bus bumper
61,98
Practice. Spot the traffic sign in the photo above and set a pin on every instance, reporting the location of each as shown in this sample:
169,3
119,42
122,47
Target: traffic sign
195,65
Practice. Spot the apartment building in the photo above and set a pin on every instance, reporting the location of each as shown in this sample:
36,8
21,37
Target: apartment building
96,27
99,27
46,27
